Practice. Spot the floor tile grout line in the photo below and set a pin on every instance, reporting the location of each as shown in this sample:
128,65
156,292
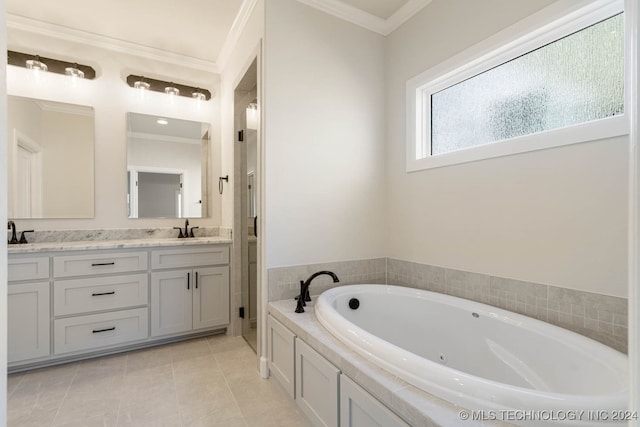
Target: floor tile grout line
124,376
233,395
175,391
17,386
66,394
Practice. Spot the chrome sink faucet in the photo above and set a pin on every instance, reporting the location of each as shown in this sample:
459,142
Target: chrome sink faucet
304,288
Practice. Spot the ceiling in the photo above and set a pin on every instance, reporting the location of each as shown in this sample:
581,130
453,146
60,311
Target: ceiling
172,26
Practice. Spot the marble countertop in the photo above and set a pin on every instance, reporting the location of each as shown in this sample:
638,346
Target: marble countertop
418,408
113,244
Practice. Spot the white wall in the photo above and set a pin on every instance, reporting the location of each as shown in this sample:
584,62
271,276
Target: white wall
244,52
324,116
3,220
556,216
112,98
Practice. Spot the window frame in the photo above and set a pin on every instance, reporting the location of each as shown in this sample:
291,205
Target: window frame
516,40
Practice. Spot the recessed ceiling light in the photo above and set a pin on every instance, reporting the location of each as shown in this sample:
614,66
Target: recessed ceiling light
162,121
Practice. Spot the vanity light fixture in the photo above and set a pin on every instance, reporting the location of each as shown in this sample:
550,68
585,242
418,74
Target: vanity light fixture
252,115
74,71
142,85
38,63
170,88
199,95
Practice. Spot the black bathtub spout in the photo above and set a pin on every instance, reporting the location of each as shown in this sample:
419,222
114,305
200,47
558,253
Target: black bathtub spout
304,288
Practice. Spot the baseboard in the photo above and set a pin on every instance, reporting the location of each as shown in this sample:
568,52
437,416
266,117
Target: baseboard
264,367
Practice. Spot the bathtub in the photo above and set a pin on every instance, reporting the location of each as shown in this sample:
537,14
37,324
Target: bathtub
495,363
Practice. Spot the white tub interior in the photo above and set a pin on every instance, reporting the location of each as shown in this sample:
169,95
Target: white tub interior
475,355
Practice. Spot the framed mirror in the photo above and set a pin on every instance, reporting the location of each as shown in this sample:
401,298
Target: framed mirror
167,167
50,159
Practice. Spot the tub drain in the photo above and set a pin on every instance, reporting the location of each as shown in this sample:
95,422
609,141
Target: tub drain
354,303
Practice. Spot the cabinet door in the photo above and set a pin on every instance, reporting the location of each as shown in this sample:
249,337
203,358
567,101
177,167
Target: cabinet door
28,321
359,409
210,297
281,355
171,302
316,386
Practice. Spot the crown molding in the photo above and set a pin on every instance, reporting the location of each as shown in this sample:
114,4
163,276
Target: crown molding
239,23
403,14
60,107
77,36
367,20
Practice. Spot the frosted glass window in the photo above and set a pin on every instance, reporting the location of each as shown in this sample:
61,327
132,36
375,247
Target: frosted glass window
576,79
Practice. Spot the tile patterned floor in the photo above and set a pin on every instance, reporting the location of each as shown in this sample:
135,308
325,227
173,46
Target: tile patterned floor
209,381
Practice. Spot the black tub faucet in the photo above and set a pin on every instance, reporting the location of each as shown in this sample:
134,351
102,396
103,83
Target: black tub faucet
304,288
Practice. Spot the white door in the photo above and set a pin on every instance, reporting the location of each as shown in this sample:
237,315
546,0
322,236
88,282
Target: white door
27,187
211,297
171,302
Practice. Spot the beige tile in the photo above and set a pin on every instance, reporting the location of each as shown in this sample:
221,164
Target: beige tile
32,416
189,349
148,358
150,409
87,419
149,419
13,382
221,343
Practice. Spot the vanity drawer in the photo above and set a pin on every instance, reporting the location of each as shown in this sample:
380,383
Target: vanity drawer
189,257
85,265
28,268
100,330
99,293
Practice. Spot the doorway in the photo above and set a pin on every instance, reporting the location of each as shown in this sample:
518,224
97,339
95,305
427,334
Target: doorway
246,111
154,194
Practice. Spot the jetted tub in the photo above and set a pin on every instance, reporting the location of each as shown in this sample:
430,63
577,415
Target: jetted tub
498,364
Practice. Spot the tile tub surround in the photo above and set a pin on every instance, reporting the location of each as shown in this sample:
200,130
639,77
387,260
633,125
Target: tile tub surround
57,236
599,317
416,407
284,282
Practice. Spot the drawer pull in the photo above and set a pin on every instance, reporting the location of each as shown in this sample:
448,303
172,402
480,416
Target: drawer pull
196,280
100,264
188,280
103,293
97,331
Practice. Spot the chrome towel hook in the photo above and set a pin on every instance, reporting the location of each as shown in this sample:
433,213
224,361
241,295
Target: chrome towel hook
221,184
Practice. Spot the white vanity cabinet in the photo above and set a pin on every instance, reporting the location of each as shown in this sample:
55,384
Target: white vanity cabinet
28,314
28,321
76,303
189,299
100,300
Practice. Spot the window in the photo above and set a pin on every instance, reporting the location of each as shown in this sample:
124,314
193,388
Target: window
561,84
